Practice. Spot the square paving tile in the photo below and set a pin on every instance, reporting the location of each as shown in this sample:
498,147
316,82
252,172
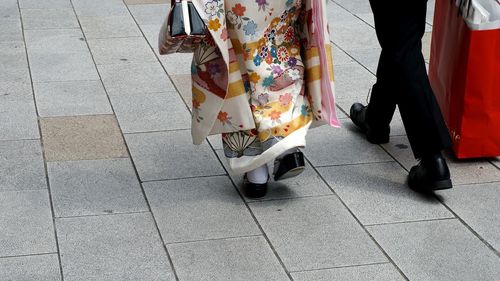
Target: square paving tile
21,165
241,259
149,14
368,18
55,41
13,62
328,146
26,223
340,57
120,50
367,57
82,138
377,193
9,9
353,83
45,4
376,272
430,11
39,268
19,119
315,233
177,64
397,126
337,14
199,209
462,171
342,35
151,112
216,142
478,206
151,34
71,98
355,6
13,48
49,18
183,84
109,26
496,162
171,155
137,2
95,187
113,247
426,46
10,30
437,250
99,8
135,78
16,88
62,67
307,184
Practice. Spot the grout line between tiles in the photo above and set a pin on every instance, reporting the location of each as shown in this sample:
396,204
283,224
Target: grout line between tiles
354,164
247,205
14,140
212,239
28,255
159,60
185,178
47,181
360,224
156,131
311,197
252,201
486,243
169,257
440,200
103,215
410,221
342,266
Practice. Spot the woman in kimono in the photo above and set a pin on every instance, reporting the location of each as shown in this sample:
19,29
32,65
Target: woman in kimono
258,81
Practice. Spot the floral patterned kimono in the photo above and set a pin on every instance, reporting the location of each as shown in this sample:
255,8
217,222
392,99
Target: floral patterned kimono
257,78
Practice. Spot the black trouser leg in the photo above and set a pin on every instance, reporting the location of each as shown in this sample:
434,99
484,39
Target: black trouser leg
402,77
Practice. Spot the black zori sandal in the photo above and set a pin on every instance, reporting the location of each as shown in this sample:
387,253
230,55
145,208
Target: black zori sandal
254,190
291,165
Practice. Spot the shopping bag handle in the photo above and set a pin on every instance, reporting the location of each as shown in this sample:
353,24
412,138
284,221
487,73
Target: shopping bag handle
461,5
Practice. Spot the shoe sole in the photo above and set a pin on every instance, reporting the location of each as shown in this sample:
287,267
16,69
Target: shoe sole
255,193
438,185
291,173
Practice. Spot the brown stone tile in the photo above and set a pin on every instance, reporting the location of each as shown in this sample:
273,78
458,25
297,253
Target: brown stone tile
82,138
183,84
135,2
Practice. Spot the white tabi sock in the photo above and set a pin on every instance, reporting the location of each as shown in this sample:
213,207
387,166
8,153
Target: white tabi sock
259,175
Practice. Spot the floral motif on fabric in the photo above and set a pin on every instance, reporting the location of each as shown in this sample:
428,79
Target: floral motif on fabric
270,56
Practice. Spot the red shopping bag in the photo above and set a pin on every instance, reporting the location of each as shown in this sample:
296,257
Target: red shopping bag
464,72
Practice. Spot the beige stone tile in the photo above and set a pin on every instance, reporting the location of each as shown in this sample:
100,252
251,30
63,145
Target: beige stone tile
135,2
82,138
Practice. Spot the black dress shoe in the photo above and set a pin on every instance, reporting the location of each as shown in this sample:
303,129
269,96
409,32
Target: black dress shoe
430,174
254,190
358,117
291,165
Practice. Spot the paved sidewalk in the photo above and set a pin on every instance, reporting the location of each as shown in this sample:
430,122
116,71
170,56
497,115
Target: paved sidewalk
99,180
